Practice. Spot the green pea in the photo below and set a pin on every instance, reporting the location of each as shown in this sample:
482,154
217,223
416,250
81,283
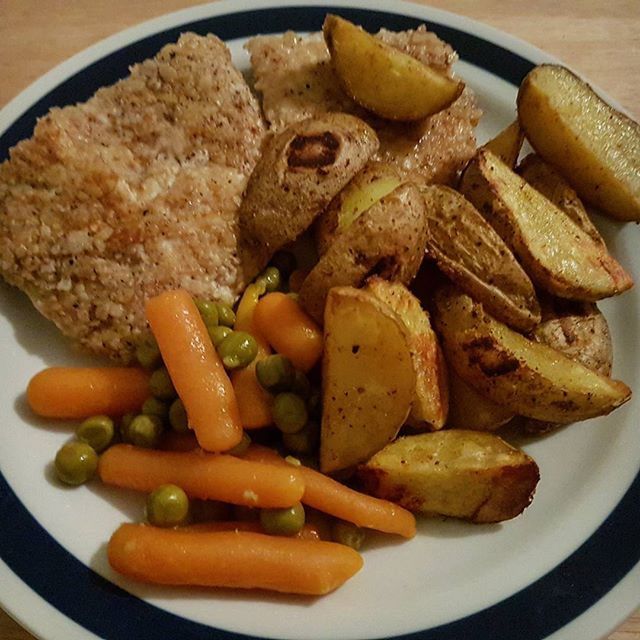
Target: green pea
283,522
209,510
305,441
76,463
226,316
348,534
241,447
218,334
275,373
285,262
154,407
160,385
301,385
178,417
167,506
314,403
97,432
123,427
271,278
145,431
209,312
289,412
148,353
238,350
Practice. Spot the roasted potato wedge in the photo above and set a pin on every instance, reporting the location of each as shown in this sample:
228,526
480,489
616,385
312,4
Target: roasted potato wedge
468,250
595,147
545,179
383,79
301,169
368,381
530,378
465,474
507,144
375,181
431,402
556,253
388,239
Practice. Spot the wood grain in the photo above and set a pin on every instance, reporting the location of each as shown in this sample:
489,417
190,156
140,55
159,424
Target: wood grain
599,39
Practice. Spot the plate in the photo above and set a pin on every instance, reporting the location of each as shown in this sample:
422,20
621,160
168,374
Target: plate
568,568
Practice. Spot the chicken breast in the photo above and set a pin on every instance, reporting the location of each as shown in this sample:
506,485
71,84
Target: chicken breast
133,192
296,80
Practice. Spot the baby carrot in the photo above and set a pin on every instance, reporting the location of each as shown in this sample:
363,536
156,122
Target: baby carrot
289,330
81,392
236,559
202,475
195,369
325,494
308,531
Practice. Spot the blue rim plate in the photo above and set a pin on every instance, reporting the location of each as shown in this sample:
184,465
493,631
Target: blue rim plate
568,568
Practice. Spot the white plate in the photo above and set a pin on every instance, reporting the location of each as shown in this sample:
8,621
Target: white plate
568,568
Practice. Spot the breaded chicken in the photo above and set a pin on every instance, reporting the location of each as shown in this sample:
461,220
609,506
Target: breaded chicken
131,193
296,80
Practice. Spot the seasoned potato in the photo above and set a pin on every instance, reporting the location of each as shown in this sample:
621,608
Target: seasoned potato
431,402
301,169
545,179
594,146
374,182
467,249
383,79
530,378
388,239
507,144
465,474
556,253
368,382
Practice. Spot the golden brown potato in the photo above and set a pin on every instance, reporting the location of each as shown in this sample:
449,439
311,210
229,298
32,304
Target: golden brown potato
530,378
465,474
545,179
371,184
383,79
558,256
594,146
387,240
368,382
468,250
301,169
507,144
431,401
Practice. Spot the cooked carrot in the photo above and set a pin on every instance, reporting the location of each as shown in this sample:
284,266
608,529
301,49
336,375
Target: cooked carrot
245,314
195,369
202,475
308,531
289,330
237,559
254,402
80,392
325,494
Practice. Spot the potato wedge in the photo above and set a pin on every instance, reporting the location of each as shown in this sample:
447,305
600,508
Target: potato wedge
507,144
545,179
387,240
431,400
383,79
531,379
595,147
375,181
301,169
465,474
368,382
468,250
558,256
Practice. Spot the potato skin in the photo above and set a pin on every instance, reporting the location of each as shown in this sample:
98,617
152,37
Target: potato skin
301,169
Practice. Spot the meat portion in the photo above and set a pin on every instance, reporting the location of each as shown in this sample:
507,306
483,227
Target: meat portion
131,193
296,80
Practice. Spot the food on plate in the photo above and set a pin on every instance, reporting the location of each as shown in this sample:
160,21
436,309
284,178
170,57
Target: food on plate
131,193
368,381
530,378
557,254
507,144
465,474
594,146
388,240
431,398
468,250
75,463
390,83
300,170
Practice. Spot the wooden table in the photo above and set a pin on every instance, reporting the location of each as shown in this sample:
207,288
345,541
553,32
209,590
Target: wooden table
600,39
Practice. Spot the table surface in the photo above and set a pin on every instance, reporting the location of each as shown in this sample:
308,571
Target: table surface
599,39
